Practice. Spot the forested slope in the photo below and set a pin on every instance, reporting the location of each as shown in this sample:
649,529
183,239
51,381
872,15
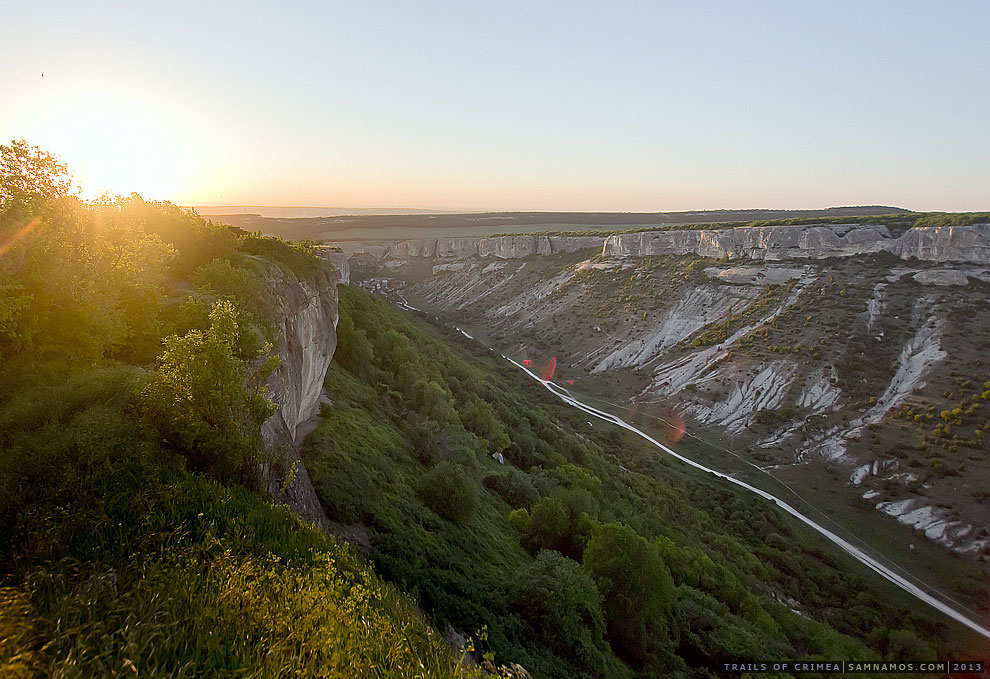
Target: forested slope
586,553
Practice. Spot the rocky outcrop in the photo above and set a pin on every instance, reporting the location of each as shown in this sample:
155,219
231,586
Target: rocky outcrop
771,243
774,243
945,244
768,243
501,247
342,263
305,318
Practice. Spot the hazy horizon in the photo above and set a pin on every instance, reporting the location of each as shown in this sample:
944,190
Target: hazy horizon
633,107
342,211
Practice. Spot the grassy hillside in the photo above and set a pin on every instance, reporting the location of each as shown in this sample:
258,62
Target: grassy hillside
134,338
406,451
820,344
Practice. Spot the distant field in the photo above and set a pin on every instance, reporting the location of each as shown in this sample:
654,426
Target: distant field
400,227
290,212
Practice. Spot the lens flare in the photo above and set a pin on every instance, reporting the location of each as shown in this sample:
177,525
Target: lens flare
664,418
546,374
18,234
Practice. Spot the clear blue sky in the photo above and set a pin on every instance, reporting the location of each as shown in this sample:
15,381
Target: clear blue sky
510,105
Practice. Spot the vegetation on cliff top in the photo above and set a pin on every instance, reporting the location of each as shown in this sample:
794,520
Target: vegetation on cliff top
897,222
131,542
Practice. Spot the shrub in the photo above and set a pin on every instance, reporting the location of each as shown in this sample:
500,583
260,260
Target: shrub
637,588
562,602
520,520
513,486
448,491
905,646
200,401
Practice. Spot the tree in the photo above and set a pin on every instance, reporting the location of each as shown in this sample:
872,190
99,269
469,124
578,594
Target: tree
550,524
906,646
561,601
29,177
201,401
637,588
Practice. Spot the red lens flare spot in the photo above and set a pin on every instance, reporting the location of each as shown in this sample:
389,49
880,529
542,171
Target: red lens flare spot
569,381
676,431
547,373
527,362
663,418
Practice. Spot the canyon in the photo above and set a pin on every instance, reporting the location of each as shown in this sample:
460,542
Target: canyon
836,358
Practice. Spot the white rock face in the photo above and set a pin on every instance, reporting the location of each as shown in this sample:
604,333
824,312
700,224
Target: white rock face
342,263
674,375
754,275
500,247
698,307
306,322
818,394
945,277
946,243
530,300
918,356
768,243
771,243
765,391
876,305
935,522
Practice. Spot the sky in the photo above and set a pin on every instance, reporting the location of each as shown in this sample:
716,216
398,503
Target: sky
592,106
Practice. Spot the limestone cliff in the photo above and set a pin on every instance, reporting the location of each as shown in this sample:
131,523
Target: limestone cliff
772,243
305,318
502,247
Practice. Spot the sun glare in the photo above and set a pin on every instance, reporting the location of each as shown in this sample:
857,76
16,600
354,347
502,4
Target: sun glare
117,144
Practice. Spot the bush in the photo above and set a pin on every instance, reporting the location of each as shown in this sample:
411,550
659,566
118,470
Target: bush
448,491
513,486
561,601
520,520
905,646
637,588
200,401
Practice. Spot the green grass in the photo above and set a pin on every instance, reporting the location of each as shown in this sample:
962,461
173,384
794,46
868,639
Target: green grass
728,552
120,558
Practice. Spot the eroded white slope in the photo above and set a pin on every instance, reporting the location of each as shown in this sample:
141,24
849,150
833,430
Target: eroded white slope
698,307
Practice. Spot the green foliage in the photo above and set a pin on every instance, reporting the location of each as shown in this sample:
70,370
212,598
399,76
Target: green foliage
637,589
520,520
122,559
118,560
550,525
513,486
449,492
905,646
222,279
729,555
199,398
299,258
30,179
953,219
562,604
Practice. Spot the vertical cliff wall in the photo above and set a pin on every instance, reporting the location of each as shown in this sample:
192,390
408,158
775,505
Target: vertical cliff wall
970,243
306,326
